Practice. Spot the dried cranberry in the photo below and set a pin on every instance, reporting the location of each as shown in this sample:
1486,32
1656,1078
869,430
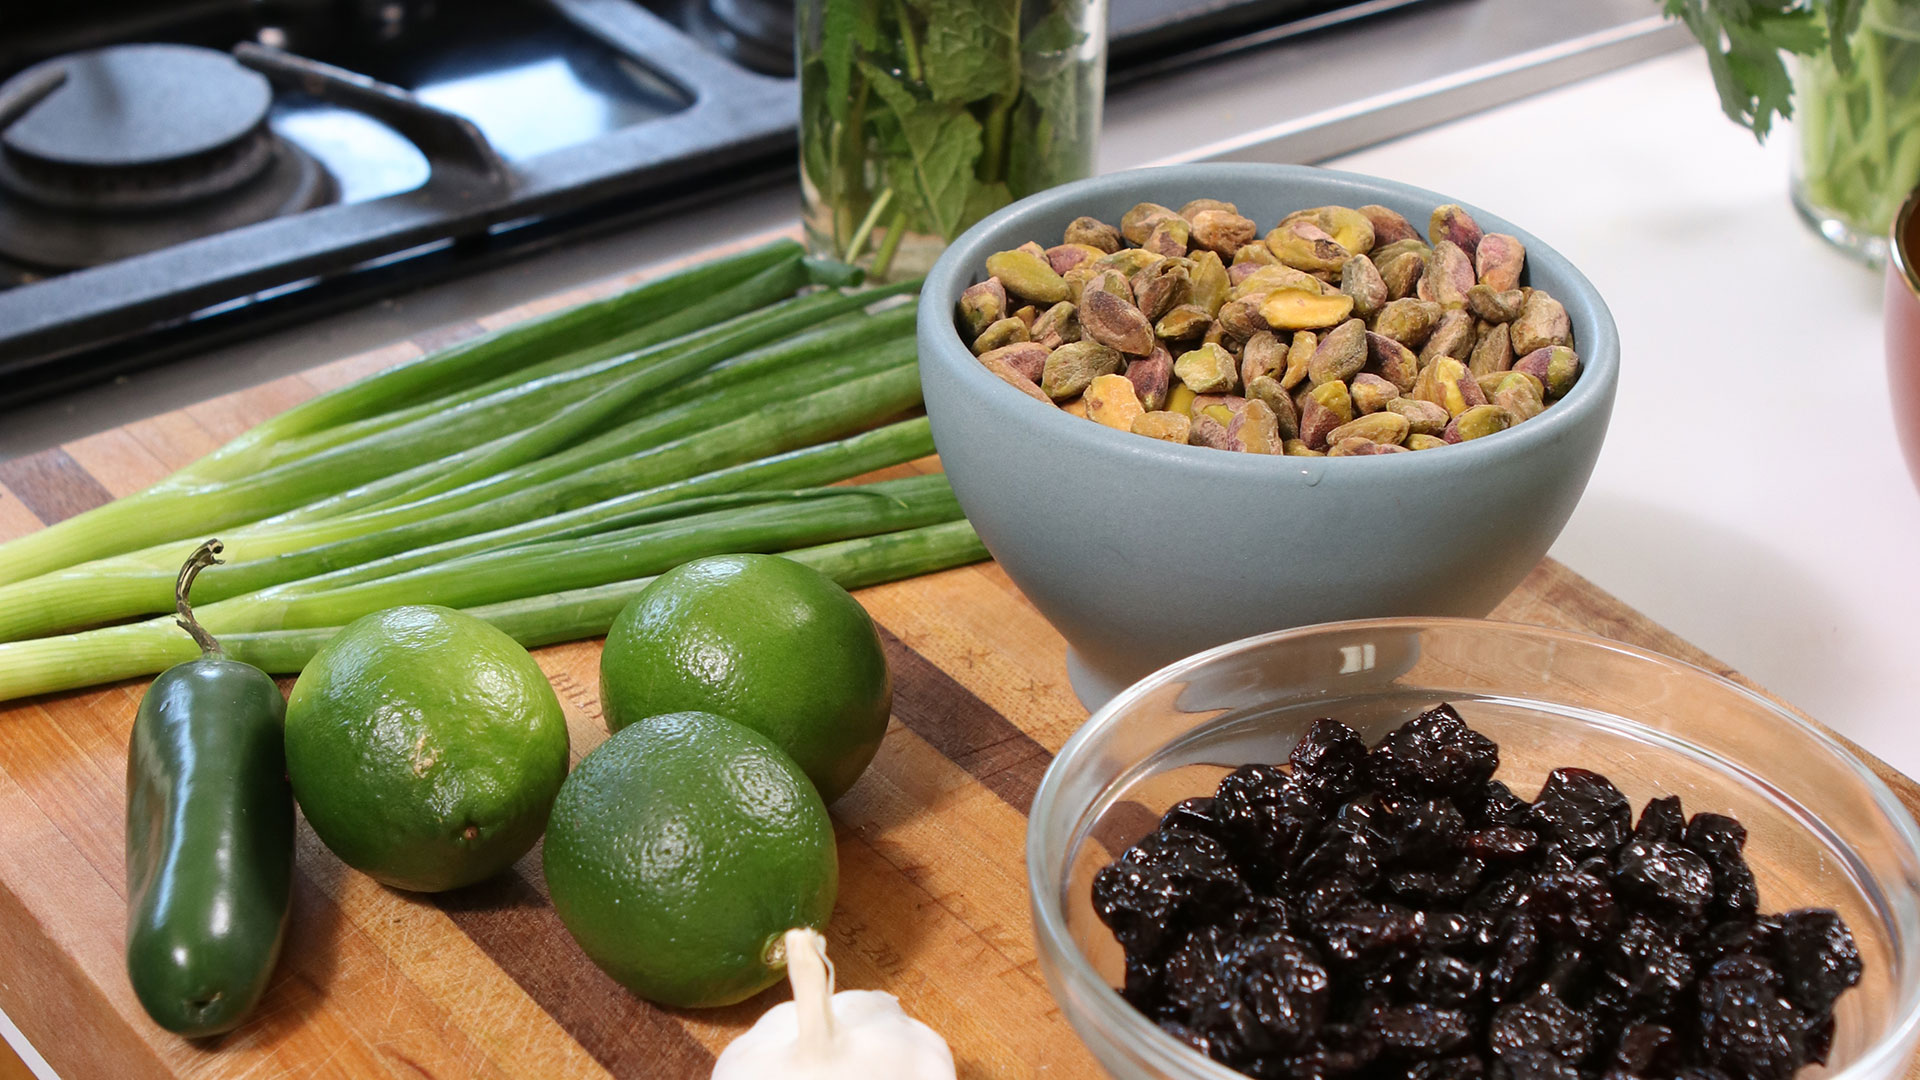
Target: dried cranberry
1460,1067
1166,874
1746,1028
1269,823
1648,964
1534,1065
1444,980
1540,1023
1435,753
1516,958
1759,936
1192,814
1396,914
1498,805
1370,932
1420,1031
1285,988
1584,813
1501,843
1818,957
1646,1050
1719,839
1330,762
1572,907
1196,972
1666,876
1662,819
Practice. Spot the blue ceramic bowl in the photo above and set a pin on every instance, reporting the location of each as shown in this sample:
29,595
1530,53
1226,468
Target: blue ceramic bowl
1141,552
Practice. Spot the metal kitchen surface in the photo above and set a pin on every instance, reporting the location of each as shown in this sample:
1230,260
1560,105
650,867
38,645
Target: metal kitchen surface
173,175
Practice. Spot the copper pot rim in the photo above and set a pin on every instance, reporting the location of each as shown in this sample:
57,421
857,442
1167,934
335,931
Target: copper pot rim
1904,251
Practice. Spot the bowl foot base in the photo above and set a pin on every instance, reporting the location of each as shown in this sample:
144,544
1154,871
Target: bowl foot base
1093,688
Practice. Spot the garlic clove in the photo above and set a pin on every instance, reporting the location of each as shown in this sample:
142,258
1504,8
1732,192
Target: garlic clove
821,1035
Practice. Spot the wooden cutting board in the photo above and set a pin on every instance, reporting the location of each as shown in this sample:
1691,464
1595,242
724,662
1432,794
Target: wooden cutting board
485,982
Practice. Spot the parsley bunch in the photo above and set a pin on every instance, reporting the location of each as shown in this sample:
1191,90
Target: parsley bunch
1858,94
1745,40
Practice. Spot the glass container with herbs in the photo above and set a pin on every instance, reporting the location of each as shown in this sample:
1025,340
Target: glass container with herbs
1849,72
920,117
1859,128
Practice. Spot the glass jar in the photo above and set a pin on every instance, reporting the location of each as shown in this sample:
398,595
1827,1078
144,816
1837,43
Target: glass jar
1859,131
920,117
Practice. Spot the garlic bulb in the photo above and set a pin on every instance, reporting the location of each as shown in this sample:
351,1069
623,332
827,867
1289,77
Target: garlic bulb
821,1035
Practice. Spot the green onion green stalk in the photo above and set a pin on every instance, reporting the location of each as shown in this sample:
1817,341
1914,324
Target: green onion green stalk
587,613
517,572
537,476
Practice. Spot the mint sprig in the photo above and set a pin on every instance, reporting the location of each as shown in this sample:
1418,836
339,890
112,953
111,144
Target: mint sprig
922,116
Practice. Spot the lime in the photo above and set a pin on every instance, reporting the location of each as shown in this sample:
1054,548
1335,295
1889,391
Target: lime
425,747
681,849
763,641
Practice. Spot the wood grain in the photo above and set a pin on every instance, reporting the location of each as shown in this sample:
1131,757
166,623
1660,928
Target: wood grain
485,982
11,1067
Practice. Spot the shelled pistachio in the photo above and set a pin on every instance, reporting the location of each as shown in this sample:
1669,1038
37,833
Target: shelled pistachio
1339,331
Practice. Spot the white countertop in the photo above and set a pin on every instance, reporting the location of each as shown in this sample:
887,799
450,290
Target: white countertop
1751,496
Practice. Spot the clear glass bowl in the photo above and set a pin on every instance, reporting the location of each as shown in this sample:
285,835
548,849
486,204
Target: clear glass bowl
1823,830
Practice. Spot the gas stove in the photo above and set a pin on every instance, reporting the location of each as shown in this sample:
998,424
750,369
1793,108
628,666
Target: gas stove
174,175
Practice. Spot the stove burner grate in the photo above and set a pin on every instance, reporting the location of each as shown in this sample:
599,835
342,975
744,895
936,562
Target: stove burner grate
758,33
143,147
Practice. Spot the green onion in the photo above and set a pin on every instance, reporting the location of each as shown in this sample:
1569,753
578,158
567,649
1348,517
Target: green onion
504,351
44,665
189,504
110,590
537,477
586,613
699,435
581,401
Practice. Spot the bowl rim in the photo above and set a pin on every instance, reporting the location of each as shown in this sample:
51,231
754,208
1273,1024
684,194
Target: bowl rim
1053,939
1903,247
1590,400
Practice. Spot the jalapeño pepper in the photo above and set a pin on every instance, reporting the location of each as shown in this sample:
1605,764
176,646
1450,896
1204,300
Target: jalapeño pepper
209,834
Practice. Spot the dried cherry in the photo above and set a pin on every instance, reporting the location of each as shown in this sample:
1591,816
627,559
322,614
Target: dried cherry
1395,912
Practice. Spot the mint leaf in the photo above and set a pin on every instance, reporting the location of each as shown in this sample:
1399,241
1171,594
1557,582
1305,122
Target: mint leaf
970,48
984,199
931,160
815,112
1056,33
1058,121
843,25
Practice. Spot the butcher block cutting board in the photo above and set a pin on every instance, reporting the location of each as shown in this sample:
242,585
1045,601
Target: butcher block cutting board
484,982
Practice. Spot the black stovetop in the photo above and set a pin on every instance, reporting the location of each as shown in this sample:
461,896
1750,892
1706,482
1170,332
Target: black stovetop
338,150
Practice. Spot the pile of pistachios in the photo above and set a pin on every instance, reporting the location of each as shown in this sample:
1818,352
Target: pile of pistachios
1341,333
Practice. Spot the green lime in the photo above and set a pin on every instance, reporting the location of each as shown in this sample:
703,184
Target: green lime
425,747
763,641
681,849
